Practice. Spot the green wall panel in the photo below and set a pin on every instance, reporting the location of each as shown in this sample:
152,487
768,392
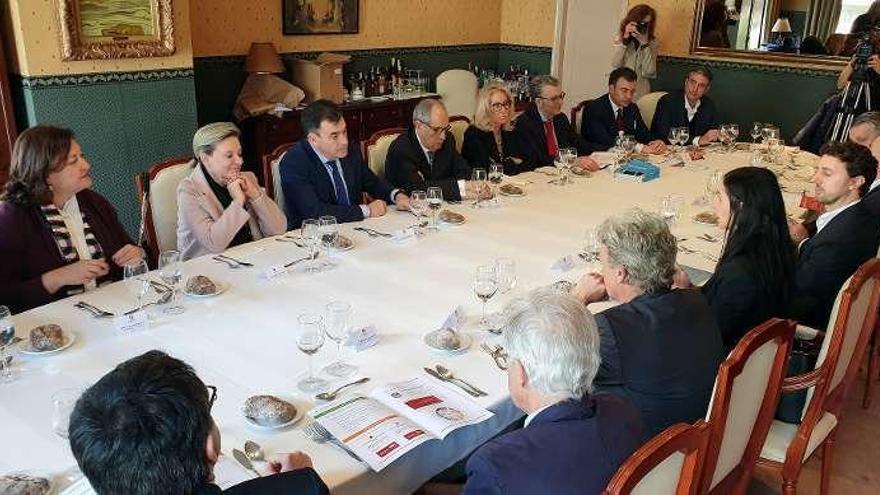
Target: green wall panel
122,126
536,60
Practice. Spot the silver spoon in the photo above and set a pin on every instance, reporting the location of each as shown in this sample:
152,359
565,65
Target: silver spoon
253,451
447,374
328,396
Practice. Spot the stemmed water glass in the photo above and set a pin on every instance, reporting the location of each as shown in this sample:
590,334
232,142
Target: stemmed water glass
724,135
479,176
171,272
713,184
337,318
757,129
670,208
674,138
485,286
136,281
310,236
7,333
567,157
684,134
309,340
496,176
418,205
435,201
329,231
733,131
505,274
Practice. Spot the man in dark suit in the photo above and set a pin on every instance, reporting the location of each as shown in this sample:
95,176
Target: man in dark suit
841,239
572,441
614,113
543,129
689,108
425,156
871,199
324,174
146,427
660,347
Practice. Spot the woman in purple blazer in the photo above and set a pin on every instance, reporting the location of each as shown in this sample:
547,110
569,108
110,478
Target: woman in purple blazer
57,237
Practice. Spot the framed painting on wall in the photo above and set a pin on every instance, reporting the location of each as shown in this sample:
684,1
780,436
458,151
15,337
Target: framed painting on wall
319,16
102,29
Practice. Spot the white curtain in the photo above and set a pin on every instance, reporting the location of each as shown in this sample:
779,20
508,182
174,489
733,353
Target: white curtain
822,18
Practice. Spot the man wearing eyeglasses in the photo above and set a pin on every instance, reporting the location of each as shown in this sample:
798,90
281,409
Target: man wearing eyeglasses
614,114
543,129
689,108
425,156
145,427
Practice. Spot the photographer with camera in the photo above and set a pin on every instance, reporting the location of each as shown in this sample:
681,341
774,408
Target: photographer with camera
635,46
865,62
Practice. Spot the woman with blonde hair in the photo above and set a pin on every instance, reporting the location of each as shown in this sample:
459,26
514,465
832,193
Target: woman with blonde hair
218,205
490,138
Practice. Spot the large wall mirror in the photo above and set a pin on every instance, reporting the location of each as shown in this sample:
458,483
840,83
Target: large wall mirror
812,32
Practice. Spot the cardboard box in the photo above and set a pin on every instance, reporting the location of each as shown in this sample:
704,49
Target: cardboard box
320,78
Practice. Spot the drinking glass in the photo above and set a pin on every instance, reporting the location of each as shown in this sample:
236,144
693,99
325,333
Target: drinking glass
505,274
63,402
435,201
136,281
310,236
171,272
733,130
567,156
629,145
673,138
684,135
329,230
337,317
724,137
309,340
496,176
757,129
485,286
7,333
670,208
479,177
418,204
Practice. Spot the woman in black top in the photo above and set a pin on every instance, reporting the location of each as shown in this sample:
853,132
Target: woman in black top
753,279
490,137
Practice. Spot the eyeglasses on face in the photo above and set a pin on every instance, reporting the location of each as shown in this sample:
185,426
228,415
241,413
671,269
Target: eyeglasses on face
437,130
500,105
557,98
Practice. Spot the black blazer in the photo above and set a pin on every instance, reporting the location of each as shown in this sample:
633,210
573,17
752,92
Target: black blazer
407,168
671,112
599,124
479,149
828,258
871,201
573,447
529,131
300,482
309,192
661,352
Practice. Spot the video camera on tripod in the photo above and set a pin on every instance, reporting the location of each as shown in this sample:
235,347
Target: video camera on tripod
856,96
868,45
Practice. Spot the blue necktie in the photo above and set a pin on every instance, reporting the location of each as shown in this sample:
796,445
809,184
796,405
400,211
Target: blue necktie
338,184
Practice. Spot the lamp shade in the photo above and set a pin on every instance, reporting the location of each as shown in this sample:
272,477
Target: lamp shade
263,59
782,26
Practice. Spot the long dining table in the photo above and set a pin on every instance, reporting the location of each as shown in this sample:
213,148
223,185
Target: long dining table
243,341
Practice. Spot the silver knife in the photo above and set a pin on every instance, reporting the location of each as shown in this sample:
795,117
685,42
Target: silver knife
462,386
242,459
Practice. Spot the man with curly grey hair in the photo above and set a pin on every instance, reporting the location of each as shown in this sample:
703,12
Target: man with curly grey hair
660,347
572,441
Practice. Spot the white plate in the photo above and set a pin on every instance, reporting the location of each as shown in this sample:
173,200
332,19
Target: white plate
68,339
300,405
221,288
464,339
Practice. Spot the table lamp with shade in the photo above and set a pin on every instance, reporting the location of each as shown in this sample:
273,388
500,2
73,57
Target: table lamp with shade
263,59
782,28
263,91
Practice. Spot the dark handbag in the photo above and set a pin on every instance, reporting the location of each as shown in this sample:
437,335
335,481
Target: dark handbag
802,359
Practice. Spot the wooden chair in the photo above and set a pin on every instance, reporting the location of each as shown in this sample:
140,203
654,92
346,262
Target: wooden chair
743,404
648,105
272,174
375,148
459,124
873,366
576,111
669,463
159,213
853,317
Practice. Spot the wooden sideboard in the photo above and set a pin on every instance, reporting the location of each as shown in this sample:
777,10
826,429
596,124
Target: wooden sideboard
262,134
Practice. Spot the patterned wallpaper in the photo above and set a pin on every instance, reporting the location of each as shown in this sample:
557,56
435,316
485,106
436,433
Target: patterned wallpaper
35,27
227,27
528,22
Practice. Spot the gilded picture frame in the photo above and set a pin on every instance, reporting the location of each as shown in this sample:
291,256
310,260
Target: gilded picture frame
308,17
111,29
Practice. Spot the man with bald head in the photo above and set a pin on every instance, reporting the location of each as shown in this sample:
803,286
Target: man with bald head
425,156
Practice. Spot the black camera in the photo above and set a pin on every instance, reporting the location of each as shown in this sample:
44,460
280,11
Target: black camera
642,27
869,45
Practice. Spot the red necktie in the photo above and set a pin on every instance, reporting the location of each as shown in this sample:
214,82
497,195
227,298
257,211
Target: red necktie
621,124
550,135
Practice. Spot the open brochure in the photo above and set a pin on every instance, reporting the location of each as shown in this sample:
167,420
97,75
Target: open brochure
397,417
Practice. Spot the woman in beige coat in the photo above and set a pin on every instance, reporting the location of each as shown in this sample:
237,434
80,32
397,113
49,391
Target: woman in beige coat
636,47
218,205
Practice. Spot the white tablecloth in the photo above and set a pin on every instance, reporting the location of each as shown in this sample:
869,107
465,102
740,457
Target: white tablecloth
243,341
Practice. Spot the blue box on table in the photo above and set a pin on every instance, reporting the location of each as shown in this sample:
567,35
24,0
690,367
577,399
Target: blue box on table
639,170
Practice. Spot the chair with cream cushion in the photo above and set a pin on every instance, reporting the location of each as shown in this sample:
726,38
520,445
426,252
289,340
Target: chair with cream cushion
669,463
160,211
648,105
272,175
459,124
375,148
458,88
743,404
853,316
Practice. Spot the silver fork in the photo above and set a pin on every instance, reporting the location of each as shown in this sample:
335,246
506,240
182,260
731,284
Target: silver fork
231,264
93,310
319,434
498,355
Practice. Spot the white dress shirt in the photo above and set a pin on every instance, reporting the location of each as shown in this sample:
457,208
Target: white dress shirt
874,184
365,209
461,184
73,220
691,113
535,413
826,218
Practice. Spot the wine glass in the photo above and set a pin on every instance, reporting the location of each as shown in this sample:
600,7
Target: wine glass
171,272
63,402
418,204
684,134
724,137
505,274
435,201
485,286
733,130
591,246
712,187
757,129
496,176
309,340
673,138
310,236
670,208
337,316
136,281
7,333
567,157
328,230
479,177
629,145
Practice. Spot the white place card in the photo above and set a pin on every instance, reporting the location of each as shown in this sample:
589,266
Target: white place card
455,320
363,338
564,264
132,323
